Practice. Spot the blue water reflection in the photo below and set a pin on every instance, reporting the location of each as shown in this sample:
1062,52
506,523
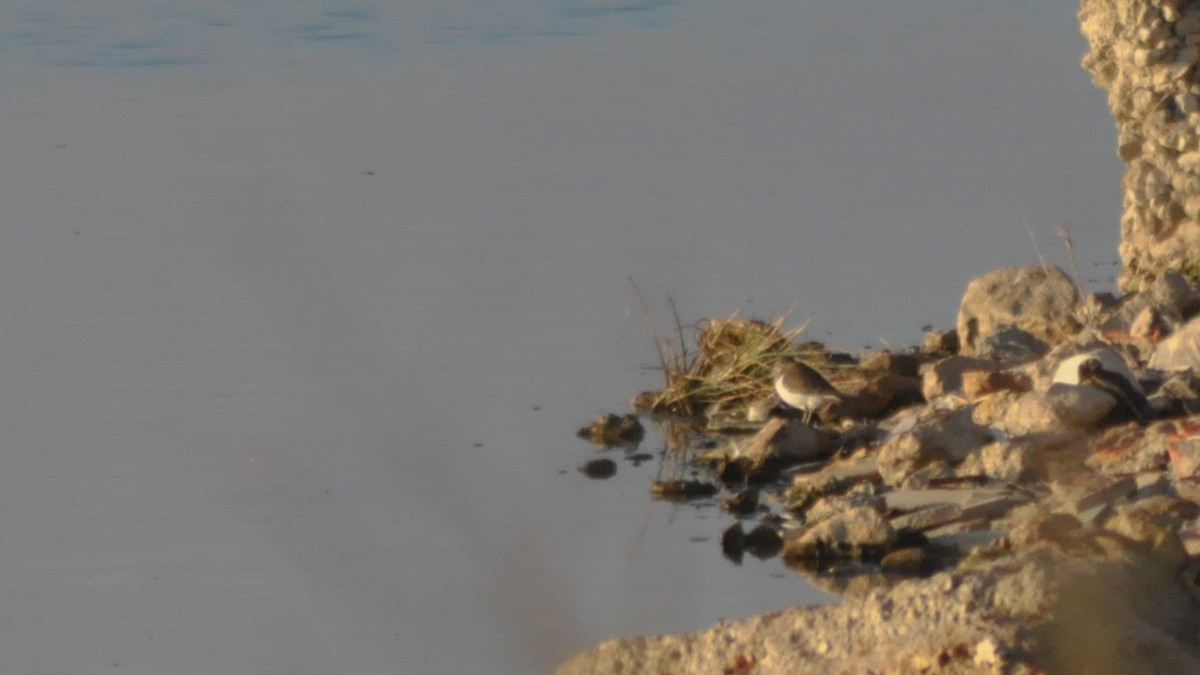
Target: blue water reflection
141,33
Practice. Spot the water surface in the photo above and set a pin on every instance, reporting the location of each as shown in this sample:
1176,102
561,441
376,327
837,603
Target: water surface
304,301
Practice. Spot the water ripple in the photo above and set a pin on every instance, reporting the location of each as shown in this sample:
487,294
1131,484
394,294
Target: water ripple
150,33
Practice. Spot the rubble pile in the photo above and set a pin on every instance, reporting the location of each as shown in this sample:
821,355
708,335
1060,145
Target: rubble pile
1021,492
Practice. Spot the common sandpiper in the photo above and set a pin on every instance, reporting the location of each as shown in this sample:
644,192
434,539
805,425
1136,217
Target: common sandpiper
803,388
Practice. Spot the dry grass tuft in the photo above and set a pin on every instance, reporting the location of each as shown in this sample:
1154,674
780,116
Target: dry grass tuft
730,366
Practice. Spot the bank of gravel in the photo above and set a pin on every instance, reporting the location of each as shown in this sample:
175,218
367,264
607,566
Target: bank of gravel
1052,515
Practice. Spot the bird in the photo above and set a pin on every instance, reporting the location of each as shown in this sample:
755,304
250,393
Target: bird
803,388
1092,373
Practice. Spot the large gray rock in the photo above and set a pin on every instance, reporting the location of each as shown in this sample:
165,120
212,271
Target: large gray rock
1010,344
1061,407
1157,310
1180,351
946,375
945,437
858,532
1040,301
782,439
835,505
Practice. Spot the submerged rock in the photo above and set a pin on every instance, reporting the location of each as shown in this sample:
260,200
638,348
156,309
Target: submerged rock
612,430
599,469
682,490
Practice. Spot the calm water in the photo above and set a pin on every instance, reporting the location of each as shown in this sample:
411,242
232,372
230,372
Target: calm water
304,300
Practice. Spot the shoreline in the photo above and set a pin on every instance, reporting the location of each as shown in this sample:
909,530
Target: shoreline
1023,516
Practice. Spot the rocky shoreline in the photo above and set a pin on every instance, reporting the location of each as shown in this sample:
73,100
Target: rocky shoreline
1019,495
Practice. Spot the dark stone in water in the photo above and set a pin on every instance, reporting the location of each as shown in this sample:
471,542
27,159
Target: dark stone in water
743,503
733,543
682,490
763,542
915,561
610,430
599,469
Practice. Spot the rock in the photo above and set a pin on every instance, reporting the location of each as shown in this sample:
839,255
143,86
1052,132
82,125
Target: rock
1032,457
743,503
1146,315
614,430
1188,25
946,375
1177,395
979,383
1055,410
1180,351
915,561
1035,527
784,441
988,654
733,543
1010,344
966,543
1153,526
859,533
988,410
941,342
1040,301
888,361
910,500
1129,450
599,469
763,542
682,490
836,477
946,436
1040,611
1184,457
883,394
930,475
828,507
1107,495
1149,325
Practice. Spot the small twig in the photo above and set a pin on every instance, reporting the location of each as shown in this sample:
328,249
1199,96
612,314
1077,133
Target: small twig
1065,234
1036,249
658,345
679,332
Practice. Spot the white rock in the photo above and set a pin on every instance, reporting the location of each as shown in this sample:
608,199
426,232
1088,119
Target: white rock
987,652
1187,103
1142,99
1180,351
1189,160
